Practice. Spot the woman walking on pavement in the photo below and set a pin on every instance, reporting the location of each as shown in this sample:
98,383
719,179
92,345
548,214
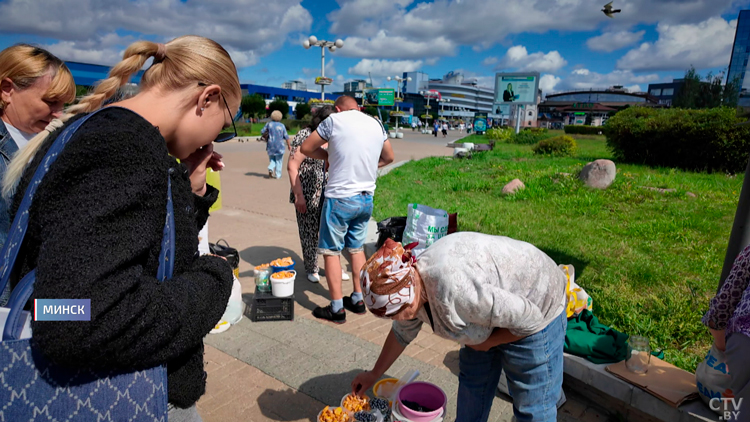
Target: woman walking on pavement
277,136
308,177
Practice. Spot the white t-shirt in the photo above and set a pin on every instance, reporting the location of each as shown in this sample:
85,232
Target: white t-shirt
20,138
355,142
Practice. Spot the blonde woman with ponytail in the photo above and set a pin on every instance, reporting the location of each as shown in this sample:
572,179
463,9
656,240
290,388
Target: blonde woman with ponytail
96,220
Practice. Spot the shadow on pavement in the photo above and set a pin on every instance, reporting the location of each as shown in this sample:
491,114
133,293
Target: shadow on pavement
257,255
330,389
263,175
451,361
286,405
290,405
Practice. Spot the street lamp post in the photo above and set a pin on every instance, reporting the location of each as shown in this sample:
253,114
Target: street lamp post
398,95
313,41
442,106
428,94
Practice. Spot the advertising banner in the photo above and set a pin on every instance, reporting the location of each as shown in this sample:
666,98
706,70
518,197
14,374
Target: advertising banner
516,88
380,97
480,123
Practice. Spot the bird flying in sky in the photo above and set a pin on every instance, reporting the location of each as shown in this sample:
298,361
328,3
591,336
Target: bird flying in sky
608,10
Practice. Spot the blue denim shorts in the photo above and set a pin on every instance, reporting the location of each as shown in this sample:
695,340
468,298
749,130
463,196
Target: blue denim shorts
343,224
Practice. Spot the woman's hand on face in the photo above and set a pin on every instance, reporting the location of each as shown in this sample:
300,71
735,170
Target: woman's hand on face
363,382
197,163
215,162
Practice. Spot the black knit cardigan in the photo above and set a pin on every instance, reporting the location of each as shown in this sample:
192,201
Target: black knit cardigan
95,232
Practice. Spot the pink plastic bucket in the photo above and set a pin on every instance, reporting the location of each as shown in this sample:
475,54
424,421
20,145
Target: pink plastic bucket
425,394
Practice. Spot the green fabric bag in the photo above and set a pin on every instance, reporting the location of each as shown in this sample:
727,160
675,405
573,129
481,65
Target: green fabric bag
588,338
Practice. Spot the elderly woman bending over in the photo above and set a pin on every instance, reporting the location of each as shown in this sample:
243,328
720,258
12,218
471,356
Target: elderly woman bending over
501,298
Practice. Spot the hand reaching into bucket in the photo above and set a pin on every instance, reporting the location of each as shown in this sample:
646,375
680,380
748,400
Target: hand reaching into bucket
363,382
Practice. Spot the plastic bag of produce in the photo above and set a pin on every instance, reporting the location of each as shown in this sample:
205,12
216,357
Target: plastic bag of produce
712,377
425,226
234,311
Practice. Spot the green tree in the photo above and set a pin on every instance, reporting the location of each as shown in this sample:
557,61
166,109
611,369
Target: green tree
253,105
698,92
372,111
280,105
301,110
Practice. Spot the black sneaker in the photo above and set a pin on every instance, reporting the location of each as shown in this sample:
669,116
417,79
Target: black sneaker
328,314
357,308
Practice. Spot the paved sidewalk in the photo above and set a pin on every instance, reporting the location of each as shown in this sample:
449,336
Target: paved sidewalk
288,371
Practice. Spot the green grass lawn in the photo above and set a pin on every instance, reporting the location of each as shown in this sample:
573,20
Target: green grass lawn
481,139
651,261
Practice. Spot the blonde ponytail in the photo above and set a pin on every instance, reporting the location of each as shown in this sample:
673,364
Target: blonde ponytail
180,63
133,60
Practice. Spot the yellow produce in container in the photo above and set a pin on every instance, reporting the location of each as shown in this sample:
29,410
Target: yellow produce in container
354,403
333,415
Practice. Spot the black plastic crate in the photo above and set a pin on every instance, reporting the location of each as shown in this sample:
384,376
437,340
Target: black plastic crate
267,307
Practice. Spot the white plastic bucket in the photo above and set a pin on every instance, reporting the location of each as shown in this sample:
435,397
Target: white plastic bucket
283,287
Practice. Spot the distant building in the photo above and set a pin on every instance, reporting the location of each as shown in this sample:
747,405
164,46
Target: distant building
464,98
666,92
593,106
740,56
357,85
295,85
419,82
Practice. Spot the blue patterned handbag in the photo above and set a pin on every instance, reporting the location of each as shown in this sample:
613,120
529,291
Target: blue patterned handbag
31,387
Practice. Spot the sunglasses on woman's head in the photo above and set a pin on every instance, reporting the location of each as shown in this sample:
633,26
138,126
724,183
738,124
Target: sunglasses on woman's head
226,136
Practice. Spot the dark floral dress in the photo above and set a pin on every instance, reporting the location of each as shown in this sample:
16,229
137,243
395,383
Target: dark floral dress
313,177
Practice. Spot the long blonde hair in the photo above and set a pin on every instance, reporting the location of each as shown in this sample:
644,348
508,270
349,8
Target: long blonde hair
182,62
24,64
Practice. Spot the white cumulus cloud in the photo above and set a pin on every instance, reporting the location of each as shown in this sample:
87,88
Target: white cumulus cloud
87,30
387,46
518,58
613,41
586,79
547,83
703,45
384,67
490,60
484,23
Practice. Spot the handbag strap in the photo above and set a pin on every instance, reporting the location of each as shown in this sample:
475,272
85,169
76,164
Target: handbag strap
12,246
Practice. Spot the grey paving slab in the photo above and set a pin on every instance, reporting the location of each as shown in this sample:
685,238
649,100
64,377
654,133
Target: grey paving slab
321,361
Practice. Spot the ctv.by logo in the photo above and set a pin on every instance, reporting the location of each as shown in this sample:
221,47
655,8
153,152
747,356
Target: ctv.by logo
728,406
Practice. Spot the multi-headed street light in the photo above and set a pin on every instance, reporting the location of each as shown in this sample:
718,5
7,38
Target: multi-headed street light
398,96
313,41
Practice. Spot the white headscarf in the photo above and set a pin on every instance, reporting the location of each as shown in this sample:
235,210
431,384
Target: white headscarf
388,280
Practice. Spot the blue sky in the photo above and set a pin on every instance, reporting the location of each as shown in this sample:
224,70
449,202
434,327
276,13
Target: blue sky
570,42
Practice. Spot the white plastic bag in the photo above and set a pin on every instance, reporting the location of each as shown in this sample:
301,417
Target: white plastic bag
424,225
713,379
234,311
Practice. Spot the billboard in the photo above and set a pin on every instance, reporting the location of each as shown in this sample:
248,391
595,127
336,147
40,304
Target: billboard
480,123
516,88
380,97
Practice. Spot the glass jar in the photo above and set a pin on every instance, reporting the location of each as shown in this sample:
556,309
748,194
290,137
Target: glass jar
639,354
263,279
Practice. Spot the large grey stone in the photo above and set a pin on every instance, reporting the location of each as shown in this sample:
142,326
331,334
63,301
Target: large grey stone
598,174
514,186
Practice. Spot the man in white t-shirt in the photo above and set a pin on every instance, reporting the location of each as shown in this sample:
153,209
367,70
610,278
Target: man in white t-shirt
357,146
